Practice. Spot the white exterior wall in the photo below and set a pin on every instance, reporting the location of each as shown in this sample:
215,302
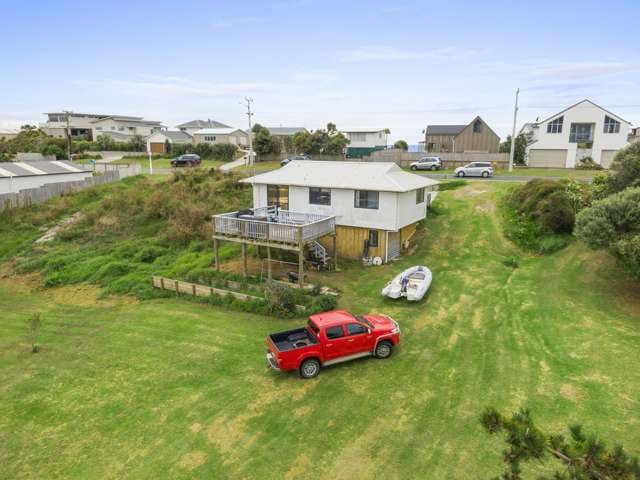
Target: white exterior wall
372,139
129,128
234,138
584,112
395,211
15,184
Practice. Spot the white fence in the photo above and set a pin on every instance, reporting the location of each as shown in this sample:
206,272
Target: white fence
32,196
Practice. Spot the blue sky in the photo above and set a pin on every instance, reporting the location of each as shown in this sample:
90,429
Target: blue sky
400,65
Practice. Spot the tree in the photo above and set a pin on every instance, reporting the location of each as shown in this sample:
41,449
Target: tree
581,457
105,142
331,128
53,149
34,324
263,141
138,143
320,142
401,145
613,223
626,169
520,149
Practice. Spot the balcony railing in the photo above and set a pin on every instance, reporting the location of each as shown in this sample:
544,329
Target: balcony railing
272,225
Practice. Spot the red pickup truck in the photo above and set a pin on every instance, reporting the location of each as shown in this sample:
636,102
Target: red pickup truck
329,338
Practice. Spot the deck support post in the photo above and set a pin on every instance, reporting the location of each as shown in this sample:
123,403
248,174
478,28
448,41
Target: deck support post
216,255
334,251
245,270
300,257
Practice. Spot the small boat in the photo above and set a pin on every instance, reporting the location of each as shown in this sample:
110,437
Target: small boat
413,283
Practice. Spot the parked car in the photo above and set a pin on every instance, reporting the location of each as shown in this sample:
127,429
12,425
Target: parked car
295,157
427,163
475,169
329,338
186,160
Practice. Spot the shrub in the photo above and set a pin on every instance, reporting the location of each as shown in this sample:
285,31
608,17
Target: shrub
587,163
512,261
225,152
51,149
324,303
280,299
626,169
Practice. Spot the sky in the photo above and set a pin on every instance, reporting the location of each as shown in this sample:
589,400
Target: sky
400,65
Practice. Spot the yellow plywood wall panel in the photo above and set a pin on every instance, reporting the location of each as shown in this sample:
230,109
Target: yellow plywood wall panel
350,242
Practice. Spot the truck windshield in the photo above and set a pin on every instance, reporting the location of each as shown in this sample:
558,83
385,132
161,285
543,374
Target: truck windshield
361,319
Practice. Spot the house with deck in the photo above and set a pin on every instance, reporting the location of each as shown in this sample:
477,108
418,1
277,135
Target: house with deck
581,130
323,209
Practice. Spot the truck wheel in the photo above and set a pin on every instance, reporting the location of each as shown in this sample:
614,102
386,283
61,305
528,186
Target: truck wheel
310,368
384,349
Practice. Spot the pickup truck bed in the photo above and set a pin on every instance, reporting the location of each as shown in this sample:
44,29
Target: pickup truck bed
291,339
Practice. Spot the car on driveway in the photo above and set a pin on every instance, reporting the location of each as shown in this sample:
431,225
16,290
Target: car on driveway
329,338
475,169
291,159
186,160
427,163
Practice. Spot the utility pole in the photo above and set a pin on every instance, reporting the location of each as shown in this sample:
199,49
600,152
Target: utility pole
513,133
68,131
249,101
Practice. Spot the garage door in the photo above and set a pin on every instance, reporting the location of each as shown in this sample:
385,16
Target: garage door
547,158
157,147
607,157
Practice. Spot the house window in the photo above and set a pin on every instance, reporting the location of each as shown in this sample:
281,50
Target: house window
419,196
209,138
581,133
278,195
121,129
373,238
358,137
319,196
98,128
611,125
477,126
555,126
366,199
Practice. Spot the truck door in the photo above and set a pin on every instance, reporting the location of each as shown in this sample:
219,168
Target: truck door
358,338
336,345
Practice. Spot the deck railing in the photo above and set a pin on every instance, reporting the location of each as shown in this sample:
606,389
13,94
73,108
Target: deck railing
278,226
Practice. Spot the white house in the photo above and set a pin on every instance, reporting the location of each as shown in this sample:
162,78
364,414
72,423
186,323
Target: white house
124,127
581,130
363,141
79,124
16,176
212,136
194,125
157,141
376,205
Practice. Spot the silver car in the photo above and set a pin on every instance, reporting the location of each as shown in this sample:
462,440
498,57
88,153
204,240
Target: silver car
427,163
475,169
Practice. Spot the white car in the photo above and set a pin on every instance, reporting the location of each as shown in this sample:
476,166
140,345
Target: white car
427,163
475,169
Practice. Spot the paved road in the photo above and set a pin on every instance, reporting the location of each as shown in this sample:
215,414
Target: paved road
495,178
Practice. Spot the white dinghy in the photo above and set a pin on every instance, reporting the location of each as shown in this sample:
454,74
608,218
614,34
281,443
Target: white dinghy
413,283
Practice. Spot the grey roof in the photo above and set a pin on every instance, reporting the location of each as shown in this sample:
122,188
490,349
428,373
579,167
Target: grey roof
445,129
285,130
118,136
30,169
177,136
203,124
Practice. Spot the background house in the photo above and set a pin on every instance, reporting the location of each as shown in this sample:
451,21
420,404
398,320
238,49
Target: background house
124,128
212,136
285,131
377,205
363,141
581,130
8,134
157,141
194,125
80,124
16,176
475,136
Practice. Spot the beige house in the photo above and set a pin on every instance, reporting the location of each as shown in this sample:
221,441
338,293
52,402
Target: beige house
212,136
474,137
157,141
124,126
194,125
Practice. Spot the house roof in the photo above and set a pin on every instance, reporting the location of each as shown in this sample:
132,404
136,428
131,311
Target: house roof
203,124
445,129
377,176
30,169
119,136
174,135
285,130
120,118
218,131
578,103
362,130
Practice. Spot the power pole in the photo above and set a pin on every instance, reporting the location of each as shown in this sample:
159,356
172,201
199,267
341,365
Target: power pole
513,133
68,132
249,101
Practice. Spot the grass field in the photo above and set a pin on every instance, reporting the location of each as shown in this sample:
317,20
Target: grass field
259,167
168,388
163,162
538,172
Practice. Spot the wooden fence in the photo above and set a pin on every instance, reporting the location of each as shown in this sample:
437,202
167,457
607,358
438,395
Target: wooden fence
195,289
33,196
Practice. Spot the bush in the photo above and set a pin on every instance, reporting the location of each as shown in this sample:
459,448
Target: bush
546,202
625,168
614,223
280,299
512,261
51,149
324,303
587,163
225,152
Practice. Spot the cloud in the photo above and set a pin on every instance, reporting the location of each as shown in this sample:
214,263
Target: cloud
580,70
179,86
388,53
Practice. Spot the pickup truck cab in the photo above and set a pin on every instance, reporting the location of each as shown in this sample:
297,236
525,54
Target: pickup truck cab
329,338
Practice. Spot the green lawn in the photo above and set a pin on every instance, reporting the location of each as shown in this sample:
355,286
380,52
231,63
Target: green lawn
259,167
169,388
163,162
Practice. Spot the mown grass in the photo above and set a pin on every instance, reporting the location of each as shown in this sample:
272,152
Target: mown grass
168,388
163,162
